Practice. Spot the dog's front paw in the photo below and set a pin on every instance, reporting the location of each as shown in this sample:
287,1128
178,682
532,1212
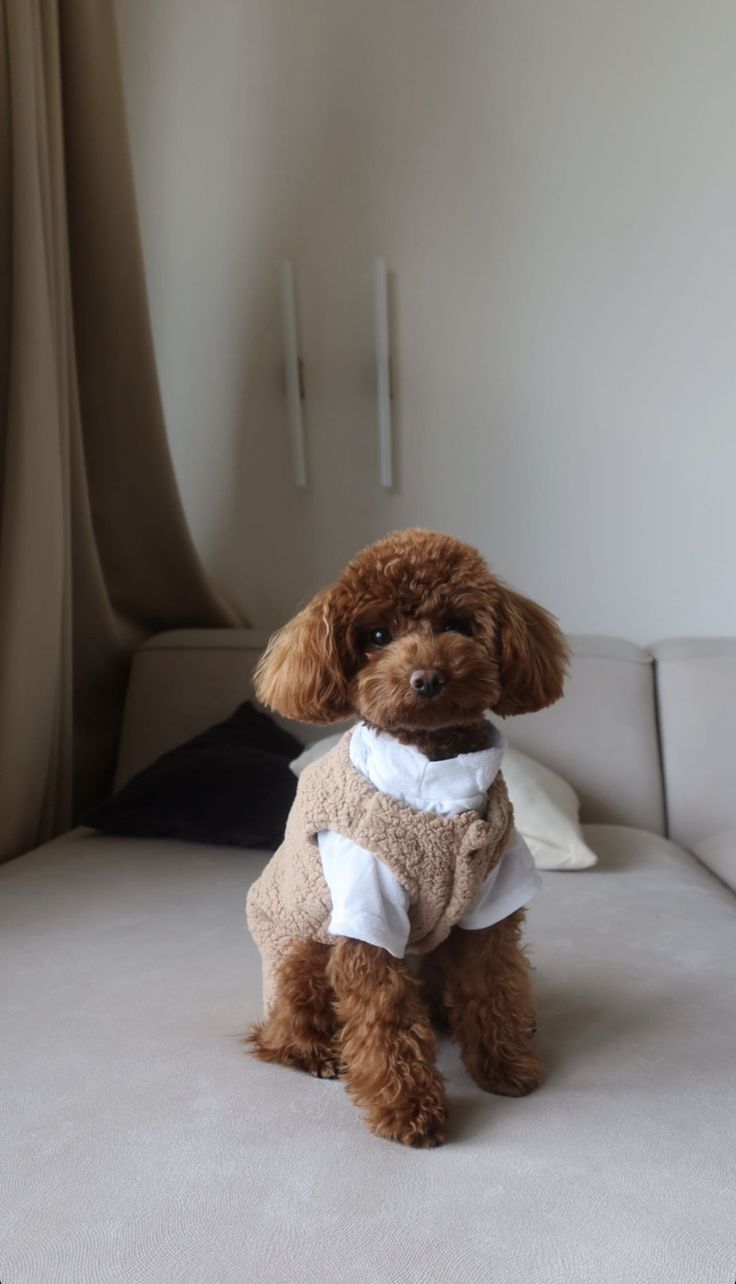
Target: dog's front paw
506,1076
419,1123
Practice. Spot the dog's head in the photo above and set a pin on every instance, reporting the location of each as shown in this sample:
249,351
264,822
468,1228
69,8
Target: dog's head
416,634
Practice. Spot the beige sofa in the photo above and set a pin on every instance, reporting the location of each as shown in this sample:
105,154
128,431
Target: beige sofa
141,1145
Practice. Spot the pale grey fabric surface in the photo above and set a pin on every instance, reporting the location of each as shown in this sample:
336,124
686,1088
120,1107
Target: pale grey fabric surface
140,1144
181,682
601,737
696,687
719,855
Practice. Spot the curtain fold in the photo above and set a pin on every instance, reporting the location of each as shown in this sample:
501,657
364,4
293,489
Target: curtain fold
94,548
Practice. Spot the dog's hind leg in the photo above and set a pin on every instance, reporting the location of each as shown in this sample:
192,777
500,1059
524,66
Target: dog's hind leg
300,1030
433,978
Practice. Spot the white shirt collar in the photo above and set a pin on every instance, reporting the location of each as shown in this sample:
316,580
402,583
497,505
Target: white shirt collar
447,787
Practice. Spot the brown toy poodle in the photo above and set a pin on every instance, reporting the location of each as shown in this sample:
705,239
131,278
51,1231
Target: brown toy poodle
419,640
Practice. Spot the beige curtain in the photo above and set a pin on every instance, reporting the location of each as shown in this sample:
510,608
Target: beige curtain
94,548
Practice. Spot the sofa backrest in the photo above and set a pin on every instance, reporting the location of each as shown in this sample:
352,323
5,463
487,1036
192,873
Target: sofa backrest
181,682
602,736
696,692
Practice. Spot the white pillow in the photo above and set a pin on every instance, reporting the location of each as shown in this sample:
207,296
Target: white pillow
547,813
546,808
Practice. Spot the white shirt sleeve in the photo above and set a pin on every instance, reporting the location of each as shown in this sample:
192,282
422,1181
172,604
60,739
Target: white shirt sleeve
368,902
510,885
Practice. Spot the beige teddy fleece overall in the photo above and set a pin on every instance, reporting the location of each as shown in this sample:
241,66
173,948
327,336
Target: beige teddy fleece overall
442,861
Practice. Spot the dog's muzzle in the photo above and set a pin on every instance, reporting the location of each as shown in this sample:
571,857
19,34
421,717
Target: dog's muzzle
427,682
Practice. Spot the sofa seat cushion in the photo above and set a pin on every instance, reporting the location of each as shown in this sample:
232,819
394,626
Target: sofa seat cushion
142,1144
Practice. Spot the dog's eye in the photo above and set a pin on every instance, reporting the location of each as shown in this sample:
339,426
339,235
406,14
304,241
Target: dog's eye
457,625
379,637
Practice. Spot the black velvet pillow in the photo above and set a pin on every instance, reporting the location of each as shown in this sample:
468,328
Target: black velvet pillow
231,786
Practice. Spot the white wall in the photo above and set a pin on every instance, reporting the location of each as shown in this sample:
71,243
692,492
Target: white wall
554,184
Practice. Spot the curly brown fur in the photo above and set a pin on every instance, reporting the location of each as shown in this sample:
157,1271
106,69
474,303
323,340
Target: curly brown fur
423,603
448,742
444,610
480,986
301,1028
387,1044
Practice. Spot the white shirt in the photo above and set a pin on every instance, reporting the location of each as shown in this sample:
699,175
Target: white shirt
368,902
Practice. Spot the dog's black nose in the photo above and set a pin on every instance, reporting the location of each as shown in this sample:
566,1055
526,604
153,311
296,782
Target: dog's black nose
427,682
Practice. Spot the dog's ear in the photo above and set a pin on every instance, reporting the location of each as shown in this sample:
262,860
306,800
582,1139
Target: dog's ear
301,673
532,655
